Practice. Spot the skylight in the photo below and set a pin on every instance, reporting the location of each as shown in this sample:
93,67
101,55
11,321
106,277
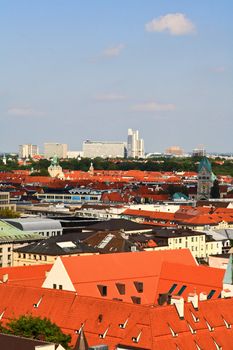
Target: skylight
182,289
173,287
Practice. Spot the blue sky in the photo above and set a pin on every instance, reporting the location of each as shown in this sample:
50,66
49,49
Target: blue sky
89,69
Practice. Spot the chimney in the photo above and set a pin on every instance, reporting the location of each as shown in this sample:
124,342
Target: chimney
203,296
193,298
179,304
226,293
5,278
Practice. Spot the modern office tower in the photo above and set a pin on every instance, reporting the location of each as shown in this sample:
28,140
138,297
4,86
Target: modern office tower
135,146
55,149
104,149
28,150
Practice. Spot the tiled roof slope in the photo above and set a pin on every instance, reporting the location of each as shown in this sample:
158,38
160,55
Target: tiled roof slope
25,275
137,277
113,322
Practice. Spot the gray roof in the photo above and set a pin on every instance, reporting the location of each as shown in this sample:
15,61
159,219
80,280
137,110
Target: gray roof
59,245
35,224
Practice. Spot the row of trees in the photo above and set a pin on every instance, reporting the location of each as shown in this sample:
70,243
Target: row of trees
156,164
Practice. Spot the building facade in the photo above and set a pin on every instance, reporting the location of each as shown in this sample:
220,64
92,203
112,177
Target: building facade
58,149
28,150
135,145
5,201
104,149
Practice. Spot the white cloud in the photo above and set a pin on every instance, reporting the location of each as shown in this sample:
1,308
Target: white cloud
24,112
109,97
173,23
113,51
153,107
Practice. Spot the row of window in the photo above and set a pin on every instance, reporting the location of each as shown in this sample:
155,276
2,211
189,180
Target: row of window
32,256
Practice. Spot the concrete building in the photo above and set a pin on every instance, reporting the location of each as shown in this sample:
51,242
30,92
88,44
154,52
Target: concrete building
199,152
58,149
104,149
74,154
28,150
135,145
5,201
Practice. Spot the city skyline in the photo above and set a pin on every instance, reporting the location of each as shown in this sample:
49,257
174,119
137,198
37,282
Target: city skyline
81,70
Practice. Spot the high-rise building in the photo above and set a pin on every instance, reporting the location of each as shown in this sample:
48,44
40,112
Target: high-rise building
135,145
55,149
28,150
104,149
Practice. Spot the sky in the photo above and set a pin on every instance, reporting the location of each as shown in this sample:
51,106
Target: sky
72,70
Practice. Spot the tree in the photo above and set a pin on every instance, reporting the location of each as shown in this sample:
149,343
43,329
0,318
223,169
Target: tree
37,328
215,192
8,214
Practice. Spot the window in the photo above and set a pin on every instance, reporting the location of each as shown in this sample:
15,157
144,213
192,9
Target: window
173,287
24,256
102,290
60,286
9,249
138,286
34,256
211,293
9,257
121,288
180,240
54,286
182,289
192,239
136,300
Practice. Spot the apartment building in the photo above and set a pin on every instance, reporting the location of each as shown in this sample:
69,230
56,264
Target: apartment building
28,150
104,149
58,149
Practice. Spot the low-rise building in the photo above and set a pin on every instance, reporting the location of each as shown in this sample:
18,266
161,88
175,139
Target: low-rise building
47,250
42,226
5,201
12,238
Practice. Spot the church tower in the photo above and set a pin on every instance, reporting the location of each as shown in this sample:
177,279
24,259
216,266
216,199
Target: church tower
55,170
205,180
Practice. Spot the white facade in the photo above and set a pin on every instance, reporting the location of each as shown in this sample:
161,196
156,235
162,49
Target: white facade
135,146
74,154
28,150
58,149
103,149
